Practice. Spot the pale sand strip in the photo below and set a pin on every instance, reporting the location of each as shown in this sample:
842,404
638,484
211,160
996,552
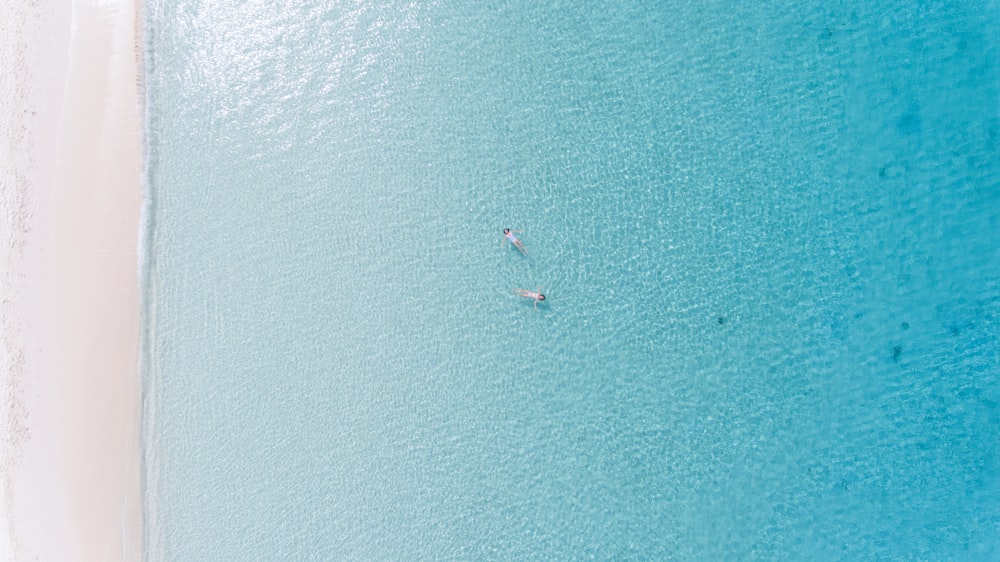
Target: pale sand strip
70,166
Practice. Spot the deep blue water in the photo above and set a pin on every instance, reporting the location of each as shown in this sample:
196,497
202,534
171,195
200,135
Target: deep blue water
769,238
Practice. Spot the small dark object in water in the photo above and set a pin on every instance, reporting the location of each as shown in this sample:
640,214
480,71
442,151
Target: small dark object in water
722,320
906,325
897,350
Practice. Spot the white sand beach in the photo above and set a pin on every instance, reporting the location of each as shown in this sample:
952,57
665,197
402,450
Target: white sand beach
70,192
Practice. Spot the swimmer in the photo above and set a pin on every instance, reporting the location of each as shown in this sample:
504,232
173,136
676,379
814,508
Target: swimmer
508,235
536,296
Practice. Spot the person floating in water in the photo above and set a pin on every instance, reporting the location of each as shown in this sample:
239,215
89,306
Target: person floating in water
536,296
509,235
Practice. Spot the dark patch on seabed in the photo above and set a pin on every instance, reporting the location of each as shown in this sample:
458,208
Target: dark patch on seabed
910,123
891,171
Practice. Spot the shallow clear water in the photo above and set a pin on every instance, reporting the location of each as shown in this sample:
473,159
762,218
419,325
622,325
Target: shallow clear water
769,238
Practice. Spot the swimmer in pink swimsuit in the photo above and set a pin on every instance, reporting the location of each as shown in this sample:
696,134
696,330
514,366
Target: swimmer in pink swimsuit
536,296
508,235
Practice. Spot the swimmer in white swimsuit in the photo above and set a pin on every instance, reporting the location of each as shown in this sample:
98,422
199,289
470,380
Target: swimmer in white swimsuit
536,296
508,235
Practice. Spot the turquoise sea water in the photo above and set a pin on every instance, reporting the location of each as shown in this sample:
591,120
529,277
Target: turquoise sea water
769,238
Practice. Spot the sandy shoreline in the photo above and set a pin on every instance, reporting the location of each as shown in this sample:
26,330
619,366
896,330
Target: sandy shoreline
69,334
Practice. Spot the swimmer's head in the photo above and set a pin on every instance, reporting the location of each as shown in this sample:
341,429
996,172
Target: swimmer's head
506,231
541,297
